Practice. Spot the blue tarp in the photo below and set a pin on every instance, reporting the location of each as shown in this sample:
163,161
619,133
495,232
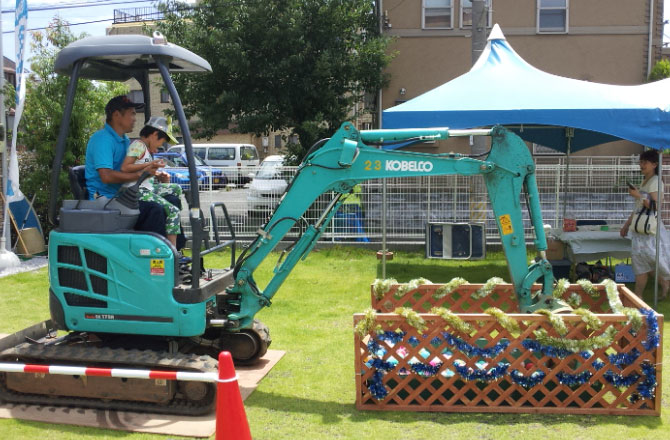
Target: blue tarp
502,88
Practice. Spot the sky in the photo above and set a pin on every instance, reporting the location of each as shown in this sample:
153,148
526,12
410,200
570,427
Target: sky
104,10
101,12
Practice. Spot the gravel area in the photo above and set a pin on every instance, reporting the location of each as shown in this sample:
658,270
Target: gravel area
26,265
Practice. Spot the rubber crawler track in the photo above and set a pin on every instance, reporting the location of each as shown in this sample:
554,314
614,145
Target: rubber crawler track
87,355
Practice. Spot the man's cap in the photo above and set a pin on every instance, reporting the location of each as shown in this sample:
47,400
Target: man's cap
162,124
121,103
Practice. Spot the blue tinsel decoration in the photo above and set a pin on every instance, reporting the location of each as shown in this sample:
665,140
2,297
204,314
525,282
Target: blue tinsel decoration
619,380
653,335
413,341
547,350
376,386
436,341
489,375
390,336
474,351
425,370
573,379
647,387
529,381
598,364
624,359
381,365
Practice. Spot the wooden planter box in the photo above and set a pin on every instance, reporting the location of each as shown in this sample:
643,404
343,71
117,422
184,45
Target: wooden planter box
493,370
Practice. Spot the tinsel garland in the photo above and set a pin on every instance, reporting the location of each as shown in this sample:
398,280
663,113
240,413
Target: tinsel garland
574,300
591,320
380,287
366,324
425,370
573,379
412,318
653,335
588,287
634,317
613,296
547,350
381,365
412,285
452,319
488,287
376,386
576,345
449,287
624,359
535,378
472,350
391,336
619,380
560,288
556,321
469,373
647,387
507,322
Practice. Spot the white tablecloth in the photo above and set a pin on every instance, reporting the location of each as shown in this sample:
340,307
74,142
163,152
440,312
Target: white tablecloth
595,245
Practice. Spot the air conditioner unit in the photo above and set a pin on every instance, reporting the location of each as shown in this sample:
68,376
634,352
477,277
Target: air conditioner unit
457,241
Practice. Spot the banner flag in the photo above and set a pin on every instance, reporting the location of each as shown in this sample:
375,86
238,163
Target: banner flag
20,27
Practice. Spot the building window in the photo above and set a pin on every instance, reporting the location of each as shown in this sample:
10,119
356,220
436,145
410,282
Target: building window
137,97
552,16
466,13
165,96
277,141
438,14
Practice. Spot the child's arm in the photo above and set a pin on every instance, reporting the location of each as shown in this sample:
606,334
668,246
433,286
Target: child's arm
129,165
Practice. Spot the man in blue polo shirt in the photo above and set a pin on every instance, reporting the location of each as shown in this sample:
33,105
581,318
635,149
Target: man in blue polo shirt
105,152
107,148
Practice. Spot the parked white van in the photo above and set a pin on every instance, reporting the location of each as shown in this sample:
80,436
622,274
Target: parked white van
226,155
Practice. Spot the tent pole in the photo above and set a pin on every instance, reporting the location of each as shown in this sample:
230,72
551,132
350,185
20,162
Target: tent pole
569,133
659,205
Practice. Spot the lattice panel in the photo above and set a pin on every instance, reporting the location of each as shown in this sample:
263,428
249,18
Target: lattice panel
442,369
503,297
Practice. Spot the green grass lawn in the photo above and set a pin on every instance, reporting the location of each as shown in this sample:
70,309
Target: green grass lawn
310,393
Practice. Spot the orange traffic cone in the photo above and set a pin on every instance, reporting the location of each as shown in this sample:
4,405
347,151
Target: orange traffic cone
231,420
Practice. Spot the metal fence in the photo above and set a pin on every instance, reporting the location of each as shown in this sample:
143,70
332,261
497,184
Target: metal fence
589,188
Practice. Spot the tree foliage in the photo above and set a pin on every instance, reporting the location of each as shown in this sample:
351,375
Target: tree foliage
41,119
660,70
278,64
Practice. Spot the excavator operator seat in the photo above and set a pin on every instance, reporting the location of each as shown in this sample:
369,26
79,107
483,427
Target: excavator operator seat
99,215
77,177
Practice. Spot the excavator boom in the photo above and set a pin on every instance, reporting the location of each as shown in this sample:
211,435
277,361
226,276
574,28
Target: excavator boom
348,159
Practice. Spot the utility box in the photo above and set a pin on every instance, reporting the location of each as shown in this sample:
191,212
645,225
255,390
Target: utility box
456,241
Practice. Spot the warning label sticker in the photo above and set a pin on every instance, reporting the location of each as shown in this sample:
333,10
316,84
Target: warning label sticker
505,224
157,267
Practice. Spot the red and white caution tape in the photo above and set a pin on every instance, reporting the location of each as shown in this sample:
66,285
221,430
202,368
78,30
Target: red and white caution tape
113,372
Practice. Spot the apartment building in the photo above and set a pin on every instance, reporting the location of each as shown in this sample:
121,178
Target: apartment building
605,41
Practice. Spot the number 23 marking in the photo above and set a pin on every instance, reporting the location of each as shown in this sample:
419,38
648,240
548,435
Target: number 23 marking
368,165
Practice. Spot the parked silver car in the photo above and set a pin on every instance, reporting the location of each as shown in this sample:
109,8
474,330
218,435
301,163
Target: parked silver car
267,186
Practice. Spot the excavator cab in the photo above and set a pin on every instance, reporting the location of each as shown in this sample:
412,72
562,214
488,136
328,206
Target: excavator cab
105,276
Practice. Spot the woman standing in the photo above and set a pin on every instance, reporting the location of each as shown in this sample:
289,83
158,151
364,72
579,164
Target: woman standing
643,253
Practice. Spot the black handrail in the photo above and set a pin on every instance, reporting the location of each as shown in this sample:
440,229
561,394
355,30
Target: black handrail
219,245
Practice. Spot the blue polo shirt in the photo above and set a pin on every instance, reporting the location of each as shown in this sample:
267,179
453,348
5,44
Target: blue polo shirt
105,149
